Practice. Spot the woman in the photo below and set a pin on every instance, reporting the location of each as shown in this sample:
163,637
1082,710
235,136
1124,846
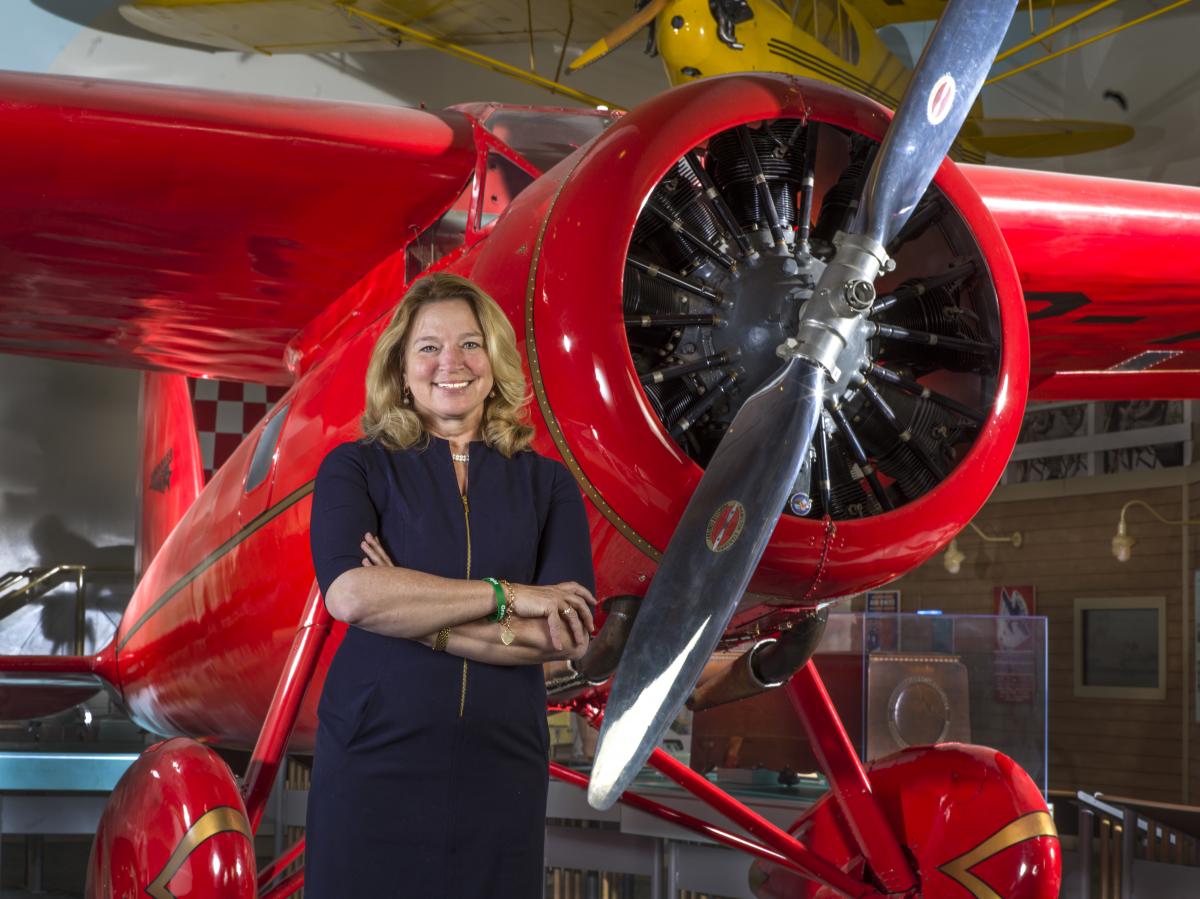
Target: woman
430,771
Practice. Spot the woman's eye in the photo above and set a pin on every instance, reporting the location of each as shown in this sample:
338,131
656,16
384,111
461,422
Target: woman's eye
472,345
430,348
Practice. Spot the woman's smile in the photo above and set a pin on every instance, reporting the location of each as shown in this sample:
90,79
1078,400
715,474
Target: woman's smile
447,369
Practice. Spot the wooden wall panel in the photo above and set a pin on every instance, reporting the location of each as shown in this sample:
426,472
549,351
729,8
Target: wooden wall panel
1131,747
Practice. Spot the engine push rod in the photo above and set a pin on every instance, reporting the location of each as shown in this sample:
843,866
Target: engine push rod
760,184
918,389
698,240
719,205
674,280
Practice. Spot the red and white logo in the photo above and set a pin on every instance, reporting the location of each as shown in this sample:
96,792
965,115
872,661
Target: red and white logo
941,99
725,526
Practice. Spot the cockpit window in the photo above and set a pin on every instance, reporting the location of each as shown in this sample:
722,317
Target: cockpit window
264,453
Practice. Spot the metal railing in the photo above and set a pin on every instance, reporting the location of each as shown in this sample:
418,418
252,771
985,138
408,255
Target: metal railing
1115,833
20,588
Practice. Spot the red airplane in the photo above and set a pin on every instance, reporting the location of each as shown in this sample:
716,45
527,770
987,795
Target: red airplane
705,296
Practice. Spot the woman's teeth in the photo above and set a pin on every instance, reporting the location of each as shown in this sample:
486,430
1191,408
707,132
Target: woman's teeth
455,385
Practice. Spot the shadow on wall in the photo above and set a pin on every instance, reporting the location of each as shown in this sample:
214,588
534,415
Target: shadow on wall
67,494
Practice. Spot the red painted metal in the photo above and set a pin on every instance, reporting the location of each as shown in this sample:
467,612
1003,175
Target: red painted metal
172,471
682,819
287,887
281,864
285,706
1167,384
743,816
46,685
175,818
848,783
1082,246
197,231
236,558
636,470
279,250
974,822
485,191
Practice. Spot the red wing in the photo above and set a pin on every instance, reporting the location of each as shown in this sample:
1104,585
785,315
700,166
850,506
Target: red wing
195,231
1111,274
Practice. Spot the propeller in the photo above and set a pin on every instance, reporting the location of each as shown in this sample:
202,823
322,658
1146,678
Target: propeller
729,520
618,35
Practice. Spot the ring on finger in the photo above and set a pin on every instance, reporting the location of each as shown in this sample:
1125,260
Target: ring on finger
566,612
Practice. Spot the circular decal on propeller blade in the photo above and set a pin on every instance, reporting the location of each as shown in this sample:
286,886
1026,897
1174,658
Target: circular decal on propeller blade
725,526
941,99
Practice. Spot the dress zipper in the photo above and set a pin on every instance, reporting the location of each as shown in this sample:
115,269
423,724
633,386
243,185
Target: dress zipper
462,697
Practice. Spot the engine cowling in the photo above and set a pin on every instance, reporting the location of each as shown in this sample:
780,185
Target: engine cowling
651,313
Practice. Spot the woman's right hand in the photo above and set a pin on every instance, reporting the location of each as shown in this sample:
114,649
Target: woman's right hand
563,606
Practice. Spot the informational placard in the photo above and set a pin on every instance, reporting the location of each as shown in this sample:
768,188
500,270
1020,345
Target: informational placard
1013,674
883,600
882,625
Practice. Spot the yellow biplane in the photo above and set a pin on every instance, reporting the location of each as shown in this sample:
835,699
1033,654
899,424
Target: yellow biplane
831,40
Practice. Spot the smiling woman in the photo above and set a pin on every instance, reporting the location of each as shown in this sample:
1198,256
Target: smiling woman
463,373
460,559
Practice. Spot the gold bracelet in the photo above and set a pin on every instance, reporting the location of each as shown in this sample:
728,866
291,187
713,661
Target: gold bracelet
443,637
506,632
510,594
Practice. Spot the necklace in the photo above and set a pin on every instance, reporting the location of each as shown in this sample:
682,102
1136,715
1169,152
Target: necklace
460,457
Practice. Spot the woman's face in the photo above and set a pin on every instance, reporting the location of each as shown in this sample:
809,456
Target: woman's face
447,369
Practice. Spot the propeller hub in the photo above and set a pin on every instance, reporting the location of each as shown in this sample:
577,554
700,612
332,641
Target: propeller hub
831,331
760,303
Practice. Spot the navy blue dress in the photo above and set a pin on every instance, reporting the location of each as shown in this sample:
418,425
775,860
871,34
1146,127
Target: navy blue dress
430,772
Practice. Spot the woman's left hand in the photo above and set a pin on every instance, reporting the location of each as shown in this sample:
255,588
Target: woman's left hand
374,553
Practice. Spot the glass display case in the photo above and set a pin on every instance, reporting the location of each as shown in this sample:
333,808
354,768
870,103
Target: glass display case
897,680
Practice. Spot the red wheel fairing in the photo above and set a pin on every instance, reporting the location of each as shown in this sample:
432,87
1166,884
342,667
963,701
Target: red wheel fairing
974,823
175,827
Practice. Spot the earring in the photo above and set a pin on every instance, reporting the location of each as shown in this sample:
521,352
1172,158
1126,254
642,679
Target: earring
406,397
492,395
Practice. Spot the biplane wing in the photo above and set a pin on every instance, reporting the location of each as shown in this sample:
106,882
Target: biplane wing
881,13
1111,274
197,232
318,26
182,230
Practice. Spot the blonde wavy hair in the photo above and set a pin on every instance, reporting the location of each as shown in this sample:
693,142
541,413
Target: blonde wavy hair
505,423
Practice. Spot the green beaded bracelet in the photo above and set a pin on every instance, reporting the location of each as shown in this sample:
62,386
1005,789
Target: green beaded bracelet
501,599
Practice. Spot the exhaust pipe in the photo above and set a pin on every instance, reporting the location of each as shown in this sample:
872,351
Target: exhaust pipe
564,679
764,666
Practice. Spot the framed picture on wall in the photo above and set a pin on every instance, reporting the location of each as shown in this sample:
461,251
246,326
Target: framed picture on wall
1121,648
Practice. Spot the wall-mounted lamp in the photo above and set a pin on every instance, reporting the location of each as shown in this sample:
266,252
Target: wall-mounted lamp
954,557
1122,543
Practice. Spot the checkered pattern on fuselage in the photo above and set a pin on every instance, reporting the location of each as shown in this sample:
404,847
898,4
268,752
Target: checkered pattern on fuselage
225,412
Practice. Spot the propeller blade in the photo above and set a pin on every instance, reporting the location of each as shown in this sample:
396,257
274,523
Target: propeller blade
618,35
731,516
704,572
945,84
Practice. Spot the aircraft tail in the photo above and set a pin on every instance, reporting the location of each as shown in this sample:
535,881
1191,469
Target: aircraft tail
172,472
